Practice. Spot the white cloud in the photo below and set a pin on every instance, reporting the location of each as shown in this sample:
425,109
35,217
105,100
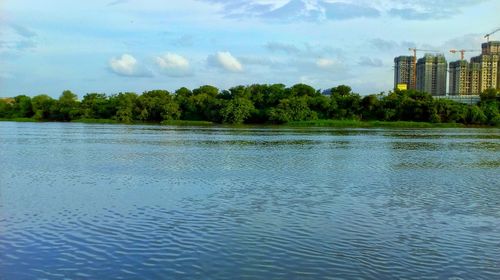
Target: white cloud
127,65
226,61
173,64
325,63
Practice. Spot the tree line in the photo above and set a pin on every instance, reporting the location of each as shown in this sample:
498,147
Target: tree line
253,104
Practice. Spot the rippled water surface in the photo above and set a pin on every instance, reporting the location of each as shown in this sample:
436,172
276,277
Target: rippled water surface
134,202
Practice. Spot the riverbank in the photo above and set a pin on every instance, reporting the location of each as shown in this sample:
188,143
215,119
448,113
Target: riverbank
313,123
368,124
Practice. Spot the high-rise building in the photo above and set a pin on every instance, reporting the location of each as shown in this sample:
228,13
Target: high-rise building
488,61
480,74
459,77
488,71
404,69
474,78
492,47
431,74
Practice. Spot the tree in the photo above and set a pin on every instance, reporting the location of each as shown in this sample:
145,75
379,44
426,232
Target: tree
125,104
300,90
5,109
22,107
96,106
341,90
42,106
475,115
490,94
67,107
321,105
292,109
237,110
370,106
202,104
156,106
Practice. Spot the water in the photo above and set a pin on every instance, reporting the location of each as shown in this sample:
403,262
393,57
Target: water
137,202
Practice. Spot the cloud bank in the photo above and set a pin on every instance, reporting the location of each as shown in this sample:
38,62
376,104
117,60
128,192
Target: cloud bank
311,10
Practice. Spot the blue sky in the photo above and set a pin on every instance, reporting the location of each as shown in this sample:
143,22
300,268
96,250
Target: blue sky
136,45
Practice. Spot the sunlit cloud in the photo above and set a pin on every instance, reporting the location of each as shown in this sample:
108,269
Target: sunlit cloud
173,65
127,65
226,61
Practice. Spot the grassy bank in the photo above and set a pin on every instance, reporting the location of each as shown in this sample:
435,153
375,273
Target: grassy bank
175,122
368,124
187,123
96,121
314,123
18,120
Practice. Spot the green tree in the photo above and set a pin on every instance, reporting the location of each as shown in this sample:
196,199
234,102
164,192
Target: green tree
292,109
370,107
42,106
320,104
202,104
341,90
237,110
475,115
22,107
5,108
490,95
300,90
97,106
125,104
67,107
156,106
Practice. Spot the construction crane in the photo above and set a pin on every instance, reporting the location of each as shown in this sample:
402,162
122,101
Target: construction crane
462,52
415,50
487,36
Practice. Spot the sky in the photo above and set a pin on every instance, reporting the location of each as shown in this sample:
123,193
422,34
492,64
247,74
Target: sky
111,46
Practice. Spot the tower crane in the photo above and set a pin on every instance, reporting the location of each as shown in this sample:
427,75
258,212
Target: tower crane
462,52
415,50
487,36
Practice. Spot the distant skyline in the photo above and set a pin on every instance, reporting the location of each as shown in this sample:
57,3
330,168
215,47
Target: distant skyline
137,45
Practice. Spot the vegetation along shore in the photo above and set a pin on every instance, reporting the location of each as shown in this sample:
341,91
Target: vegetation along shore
298,105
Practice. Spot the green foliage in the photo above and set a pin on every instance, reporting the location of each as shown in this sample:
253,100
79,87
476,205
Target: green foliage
97,106
42,107
200,104
125,104
237,110
156,106
490,94
5,109
258,103
347,104
292,109
475,115
22,107
67,107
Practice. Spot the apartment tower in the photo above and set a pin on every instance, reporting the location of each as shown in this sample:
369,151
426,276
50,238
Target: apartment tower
431,74
480,74
459,78
404,69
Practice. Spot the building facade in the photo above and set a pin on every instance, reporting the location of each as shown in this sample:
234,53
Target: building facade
432,74
459,78
480,74
404,69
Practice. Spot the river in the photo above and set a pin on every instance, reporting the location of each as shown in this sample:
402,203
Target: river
149,202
